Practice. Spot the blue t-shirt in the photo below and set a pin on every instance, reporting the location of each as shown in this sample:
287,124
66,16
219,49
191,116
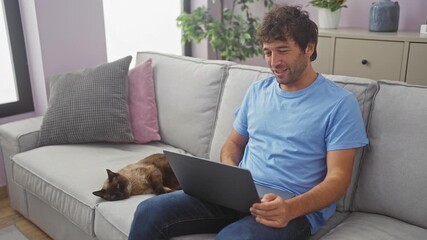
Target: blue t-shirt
290,133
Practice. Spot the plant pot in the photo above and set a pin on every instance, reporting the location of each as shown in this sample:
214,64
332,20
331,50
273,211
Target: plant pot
328,19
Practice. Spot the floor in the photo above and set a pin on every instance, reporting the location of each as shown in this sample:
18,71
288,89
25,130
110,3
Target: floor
9,216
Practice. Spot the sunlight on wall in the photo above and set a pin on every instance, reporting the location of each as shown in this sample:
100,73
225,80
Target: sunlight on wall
8,92
135,25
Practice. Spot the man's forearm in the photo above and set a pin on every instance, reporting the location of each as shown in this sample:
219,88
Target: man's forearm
340,165
232,151
317,198
230,154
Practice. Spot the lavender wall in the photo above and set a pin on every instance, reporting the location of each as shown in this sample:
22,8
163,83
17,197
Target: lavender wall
61,36
412,14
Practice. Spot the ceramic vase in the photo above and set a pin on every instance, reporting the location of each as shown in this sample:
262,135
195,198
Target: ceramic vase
384,16
328,19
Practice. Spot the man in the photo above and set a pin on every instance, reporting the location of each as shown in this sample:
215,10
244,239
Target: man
295,131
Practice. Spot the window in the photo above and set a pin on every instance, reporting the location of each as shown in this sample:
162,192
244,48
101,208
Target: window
8,91
135,25
15,87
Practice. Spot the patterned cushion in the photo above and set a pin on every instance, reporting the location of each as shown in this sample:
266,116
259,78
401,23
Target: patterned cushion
89,106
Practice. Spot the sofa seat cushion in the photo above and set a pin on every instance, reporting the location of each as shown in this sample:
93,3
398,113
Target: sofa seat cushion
374,227
64,176
113,219
332,222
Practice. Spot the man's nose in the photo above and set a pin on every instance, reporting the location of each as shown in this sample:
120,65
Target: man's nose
275,59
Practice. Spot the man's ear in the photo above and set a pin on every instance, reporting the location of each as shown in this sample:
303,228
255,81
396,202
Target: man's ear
309,50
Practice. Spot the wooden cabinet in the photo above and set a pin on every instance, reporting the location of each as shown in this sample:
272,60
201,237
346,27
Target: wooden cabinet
324,55
394,56
416,71
367,58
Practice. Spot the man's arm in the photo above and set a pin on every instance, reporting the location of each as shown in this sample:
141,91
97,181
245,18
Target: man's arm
276,212
233,148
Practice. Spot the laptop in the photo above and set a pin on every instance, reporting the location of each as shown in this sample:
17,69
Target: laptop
218,183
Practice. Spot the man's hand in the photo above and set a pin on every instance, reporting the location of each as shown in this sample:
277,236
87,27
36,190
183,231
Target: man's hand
272,211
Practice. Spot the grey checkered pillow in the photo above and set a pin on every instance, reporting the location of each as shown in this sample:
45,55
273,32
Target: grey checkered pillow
89,106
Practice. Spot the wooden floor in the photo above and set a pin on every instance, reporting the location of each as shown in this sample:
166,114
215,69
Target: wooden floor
9,216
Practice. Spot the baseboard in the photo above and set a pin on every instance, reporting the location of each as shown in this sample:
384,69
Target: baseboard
3,192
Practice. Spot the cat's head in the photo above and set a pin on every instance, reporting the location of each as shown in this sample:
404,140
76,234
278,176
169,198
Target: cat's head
114,188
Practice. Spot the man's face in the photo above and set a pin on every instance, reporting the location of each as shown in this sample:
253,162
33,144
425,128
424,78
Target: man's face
288,62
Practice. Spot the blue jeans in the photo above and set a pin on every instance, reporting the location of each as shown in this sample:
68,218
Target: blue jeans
177,214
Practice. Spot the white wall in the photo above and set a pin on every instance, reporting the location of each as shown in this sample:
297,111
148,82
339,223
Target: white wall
134,25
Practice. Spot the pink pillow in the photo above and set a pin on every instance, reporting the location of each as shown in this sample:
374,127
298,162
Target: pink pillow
142,104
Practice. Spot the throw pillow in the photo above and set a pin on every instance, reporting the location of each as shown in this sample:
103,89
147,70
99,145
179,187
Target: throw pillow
142,104
89,106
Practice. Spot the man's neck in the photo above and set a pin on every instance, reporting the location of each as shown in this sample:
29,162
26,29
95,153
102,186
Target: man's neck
306,79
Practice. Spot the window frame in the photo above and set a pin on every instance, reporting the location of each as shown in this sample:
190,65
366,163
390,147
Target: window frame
20,63
186,8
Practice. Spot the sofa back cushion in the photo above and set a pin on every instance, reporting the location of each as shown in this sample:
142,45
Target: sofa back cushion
393,173
187,94
364,90
240,77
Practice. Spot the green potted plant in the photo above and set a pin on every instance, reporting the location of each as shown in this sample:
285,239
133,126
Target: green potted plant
232,36
329,12
332,5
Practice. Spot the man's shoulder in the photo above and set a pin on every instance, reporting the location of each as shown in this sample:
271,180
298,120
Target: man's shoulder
264,83
334,88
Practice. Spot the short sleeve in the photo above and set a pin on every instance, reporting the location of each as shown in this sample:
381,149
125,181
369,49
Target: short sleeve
345,127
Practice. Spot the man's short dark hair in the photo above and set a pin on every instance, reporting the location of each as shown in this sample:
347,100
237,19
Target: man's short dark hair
284,22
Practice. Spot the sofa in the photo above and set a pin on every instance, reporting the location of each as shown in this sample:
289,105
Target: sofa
196,99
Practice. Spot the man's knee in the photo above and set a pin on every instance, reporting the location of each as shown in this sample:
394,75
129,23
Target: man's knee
147,210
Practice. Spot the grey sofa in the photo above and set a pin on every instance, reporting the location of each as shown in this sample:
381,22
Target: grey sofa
196,99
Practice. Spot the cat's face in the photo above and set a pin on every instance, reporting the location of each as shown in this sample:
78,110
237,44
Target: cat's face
114,188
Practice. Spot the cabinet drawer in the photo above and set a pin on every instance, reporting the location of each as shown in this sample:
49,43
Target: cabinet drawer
416,72
368,58
323,62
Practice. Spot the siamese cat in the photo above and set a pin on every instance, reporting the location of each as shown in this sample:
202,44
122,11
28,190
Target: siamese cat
151,175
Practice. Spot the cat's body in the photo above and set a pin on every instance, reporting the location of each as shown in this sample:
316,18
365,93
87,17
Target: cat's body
151,175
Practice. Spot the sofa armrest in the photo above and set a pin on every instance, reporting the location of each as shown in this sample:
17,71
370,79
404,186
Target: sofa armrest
17,137
20,136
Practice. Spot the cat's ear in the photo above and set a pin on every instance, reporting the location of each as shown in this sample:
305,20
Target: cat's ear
111,174
99,193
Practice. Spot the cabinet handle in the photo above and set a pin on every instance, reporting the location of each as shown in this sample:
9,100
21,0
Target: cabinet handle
364,61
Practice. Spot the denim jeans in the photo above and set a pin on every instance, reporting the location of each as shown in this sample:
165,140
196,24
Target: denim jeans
177,214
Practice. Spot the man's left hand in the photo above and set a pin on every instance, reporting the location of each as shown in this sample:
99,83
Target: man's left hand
272,211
